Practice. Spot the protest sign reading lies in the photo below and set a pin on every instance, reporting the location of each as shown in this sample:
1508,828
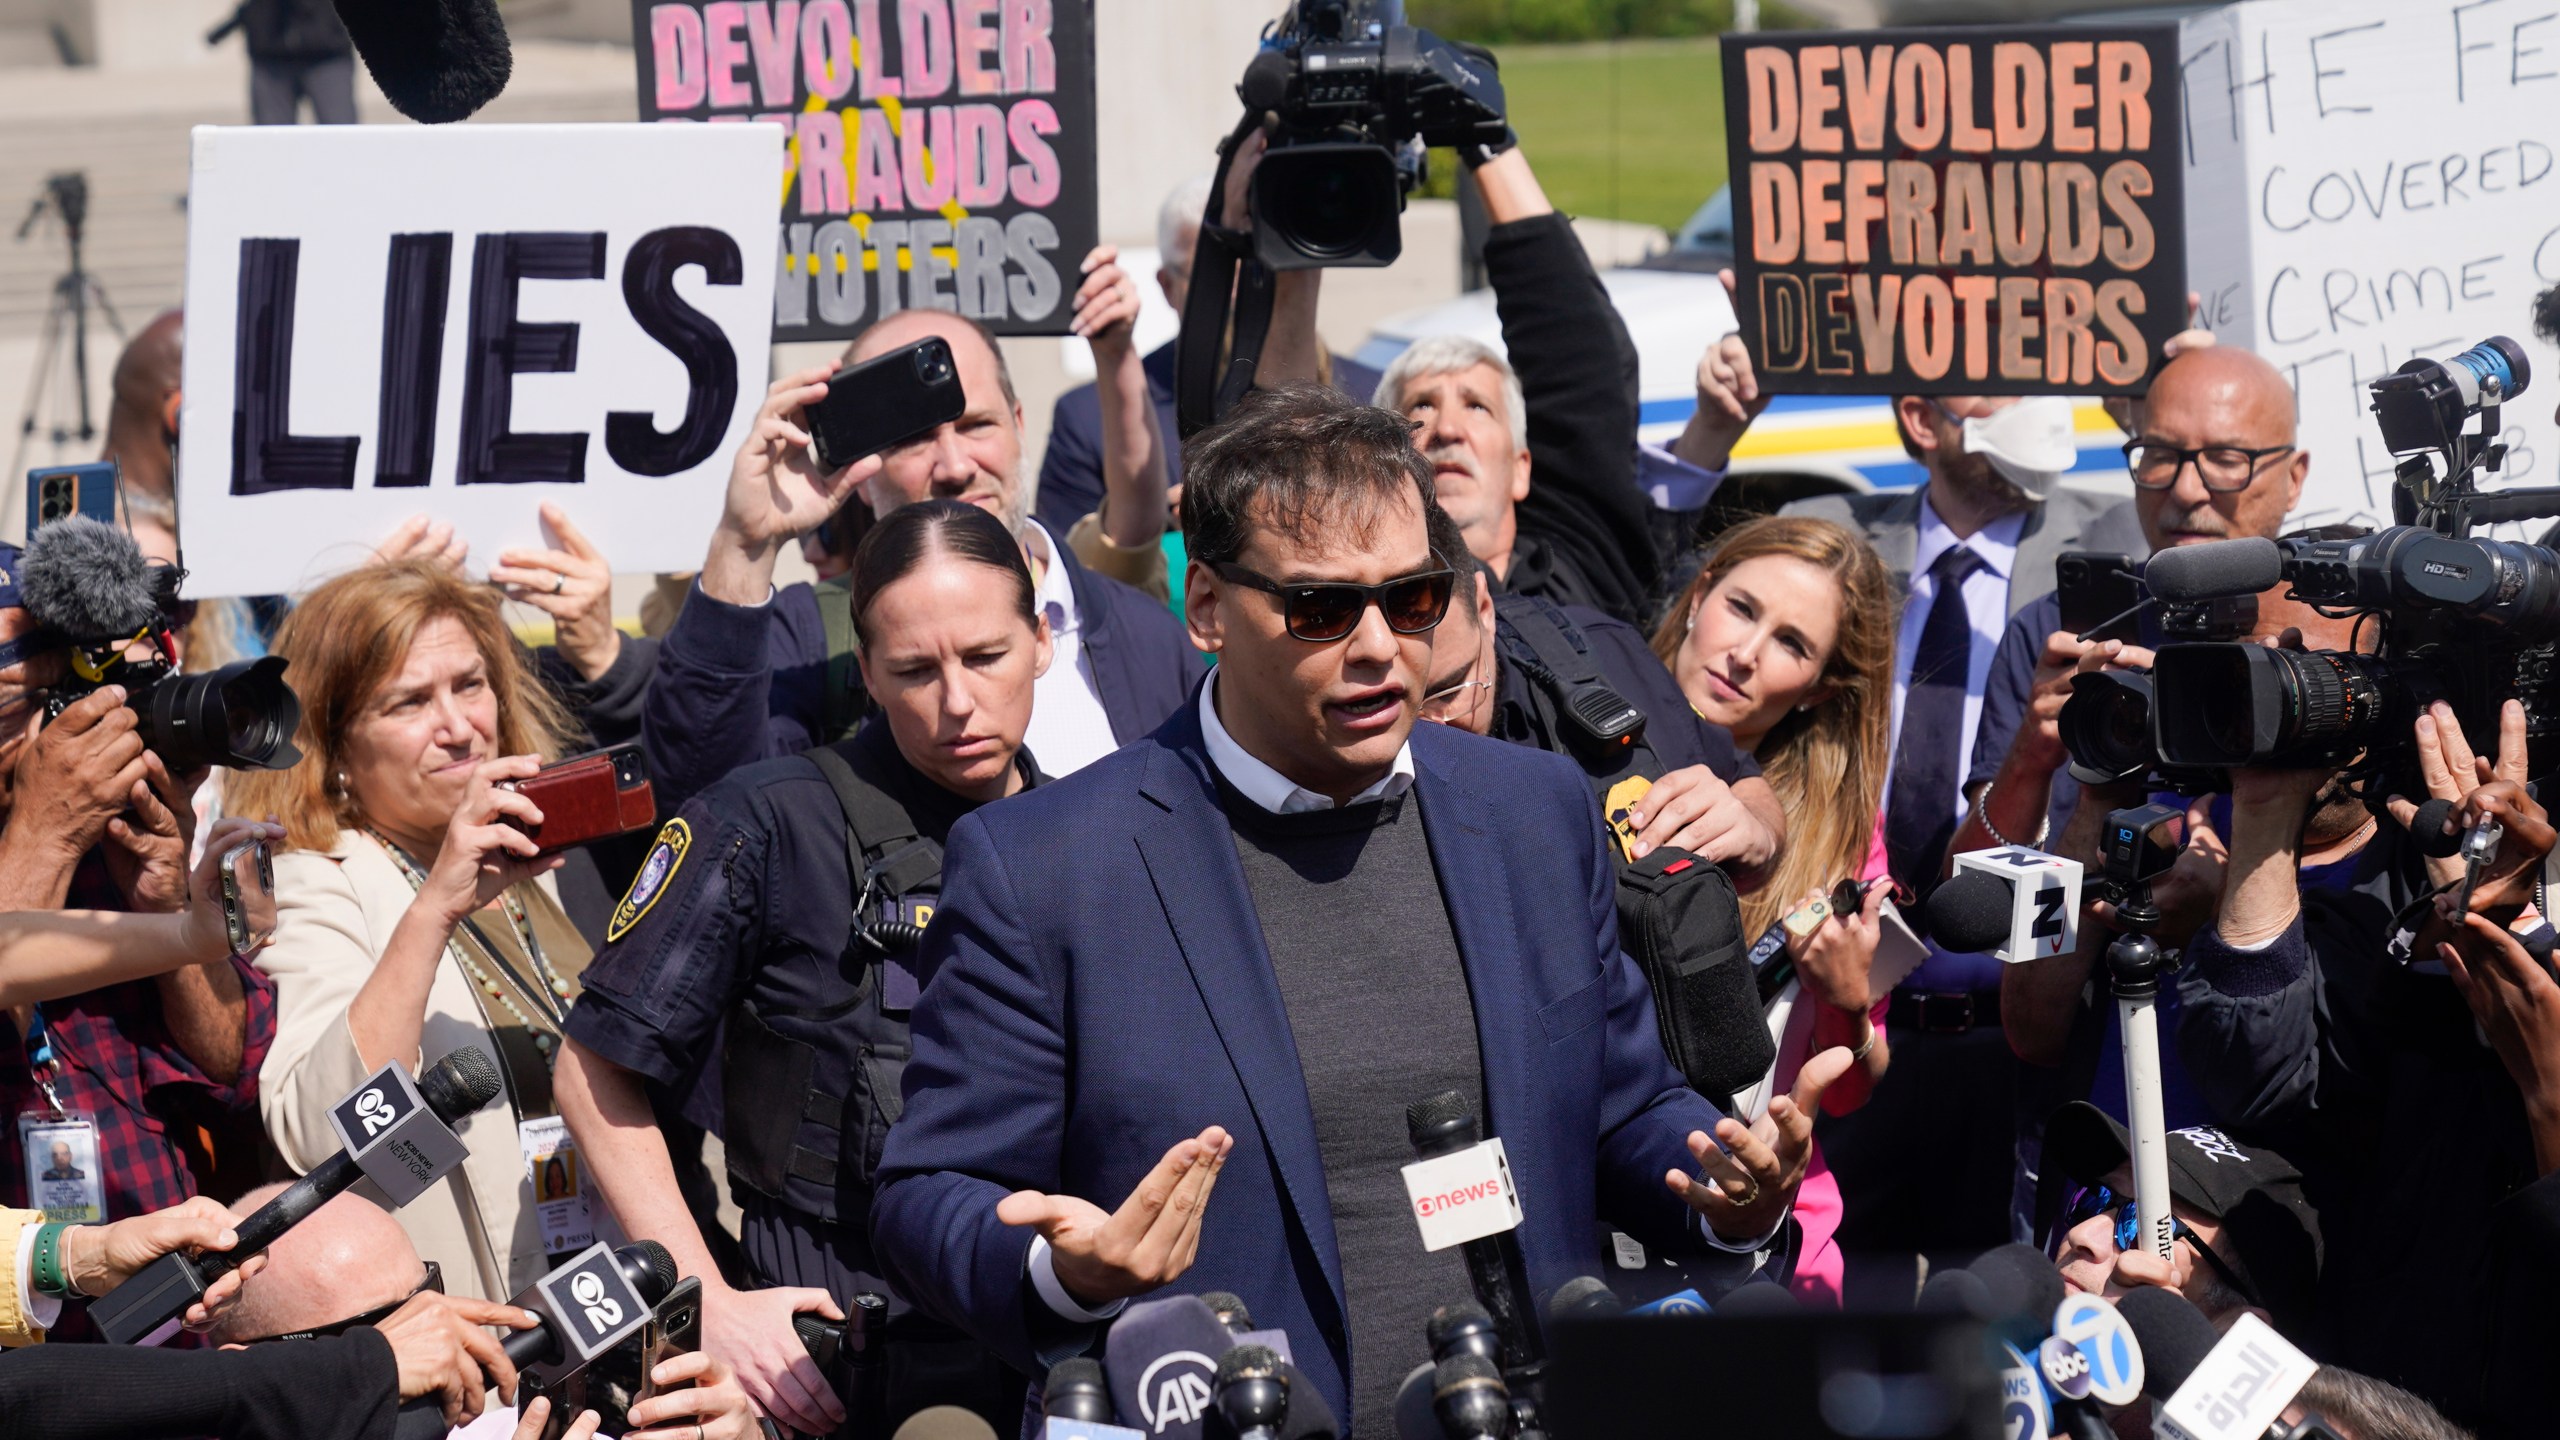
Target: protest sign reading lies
1983,211
465,321
940,153
2383,187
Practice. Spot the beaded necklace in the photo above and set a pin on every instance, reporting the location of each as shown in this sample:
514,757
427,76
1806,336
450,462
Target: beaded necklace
546,1030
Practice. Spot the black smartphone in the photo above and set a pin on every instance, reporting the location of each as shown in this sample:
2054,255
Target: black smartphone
2096,587
884,400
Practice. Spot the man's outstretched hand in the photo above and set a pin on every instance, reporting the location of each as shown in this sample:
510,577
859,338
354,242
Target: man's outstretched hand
1745,1188
1147,1243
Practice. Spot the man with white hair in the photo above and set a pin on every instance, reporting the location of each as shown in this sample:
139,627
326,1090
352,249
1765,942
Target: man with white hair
1535,455
1071,471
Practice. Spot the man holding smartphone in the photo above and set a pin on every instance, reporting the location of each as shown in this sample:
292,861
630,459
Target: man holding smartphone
742,675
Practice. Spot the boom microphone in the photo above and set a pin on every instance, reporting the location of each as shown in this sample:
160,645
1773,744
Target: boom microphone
436,60
87,579
160,1292
2216,570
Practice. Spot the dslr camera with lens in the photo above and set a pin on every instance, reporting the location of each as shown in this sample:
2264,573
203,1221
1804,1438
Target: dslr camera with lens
2460,618
89,587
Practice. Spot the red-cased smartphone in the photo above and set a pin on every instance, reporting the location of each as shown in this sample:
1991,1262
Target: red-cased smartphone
589,797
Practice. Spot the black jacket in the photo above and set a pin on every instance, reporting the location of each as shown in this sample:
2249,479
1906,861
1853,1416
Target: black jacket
736,684
1584,537
2372,1077
341,1387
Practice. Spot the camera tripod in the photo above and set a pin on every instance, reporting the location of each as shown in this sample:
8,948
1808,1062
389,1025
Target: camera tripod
62,361
2134,964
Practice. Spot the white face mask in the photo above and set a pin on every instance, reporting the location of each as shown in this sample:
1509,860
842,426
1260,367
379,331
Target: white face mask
2029,443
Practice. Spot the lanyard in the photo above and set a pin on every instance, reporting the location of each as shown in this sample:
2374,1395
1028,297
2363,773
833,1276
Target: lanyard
40,1059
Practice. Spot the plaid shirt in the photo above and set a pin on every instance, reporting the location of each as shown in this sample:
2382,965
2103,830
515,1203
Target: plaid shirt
112,1056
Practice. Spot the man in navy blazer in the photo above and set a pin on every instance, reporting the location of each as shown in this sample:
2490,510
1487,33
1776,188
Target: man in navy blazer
1200,980
741,676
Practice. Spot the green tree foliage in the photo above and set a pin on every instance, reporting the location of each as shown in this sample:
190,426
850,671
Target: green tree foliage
1495,22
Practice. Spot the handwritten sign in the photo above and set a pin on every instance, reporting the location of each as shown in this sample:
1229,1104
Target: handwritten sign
466,321
2383,186
1943,211
939,153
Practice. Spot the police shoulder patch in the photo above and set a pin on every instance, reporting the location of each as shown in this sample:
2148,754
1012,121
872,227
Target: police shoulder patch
660,867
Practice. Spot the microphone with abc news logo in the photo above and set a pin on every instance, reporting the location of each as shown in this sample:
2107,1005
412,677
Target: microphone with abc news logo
397,1133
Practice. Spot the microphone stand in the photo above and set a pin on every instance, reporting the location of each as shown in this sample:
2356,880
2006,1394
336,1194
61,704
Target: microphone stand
2134,963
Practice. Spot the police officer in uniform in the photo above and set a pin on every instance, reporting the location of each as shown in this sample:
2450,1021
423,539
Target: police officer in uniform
786,900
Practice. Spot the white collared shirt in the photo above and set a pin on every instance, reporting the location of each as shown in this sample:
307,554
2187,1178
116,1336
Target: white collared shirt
1986,603
1270,789
1069,729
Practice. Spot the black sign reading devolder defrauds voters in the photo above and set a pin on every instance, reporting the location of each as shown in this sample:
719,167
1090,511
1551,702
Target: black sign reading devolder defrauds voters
1987,211
940,152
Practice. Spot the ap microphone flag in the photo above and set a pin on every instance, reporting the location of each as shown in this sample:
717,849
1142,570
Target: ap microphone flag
1161,1358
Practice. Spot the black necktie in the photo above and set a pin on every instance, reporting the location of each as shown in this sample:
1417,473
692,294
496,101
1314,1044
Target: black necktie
1920,810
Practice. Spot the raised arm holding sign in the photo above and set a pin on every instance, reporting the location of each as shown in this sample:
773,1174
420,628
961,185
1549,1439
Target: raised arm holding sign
1957,211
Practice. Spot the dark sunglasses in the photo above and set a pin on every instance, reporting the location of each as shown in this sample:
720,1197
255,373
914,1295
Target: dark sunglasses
2100,1200
433,1281
1322,611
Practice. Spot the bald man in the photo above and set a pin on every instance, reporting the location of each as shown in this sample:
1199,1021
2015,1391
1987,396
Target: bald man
744,673
2213,458
349,1262
347,1258
142,421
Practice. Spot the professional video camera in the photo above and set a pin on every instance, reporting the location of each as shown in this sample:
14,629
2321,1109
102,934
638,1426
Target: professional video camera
2466,620
2106,724
1358,100
90,587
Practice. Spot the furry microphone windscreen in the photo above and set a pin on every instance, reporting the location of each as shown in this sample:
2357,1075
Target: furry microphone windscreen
87,580
436,60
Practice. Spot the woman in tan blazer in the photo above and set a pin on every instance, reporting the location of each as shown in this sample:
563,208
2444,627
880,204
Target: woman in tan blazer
413,918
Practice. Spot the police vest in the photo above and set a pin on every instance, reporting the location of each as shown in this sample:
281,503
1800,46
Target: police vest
1678,916
1567,707
811,1090
840,708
